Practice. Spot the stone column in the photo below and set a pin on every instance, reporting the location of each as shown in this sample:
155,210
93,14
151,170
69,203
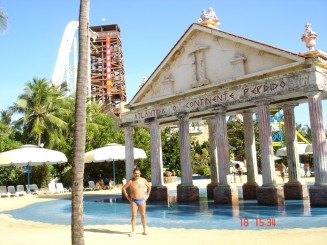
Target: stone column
318,193
223,193
250,188
159,192
213,158
186,191
129,152
129,155
269,193
294,189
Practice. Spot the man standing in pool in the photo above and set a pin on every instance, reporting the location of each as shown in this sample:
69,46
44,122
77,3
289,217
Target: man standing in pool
137,198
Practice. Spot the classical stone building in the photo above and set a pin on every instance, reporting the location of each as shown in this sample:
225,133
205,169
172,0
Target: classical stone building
209,74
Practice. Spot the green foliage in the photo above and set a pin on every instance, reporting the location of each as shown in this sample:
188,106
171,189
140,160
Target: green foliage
204,170
170,150
235,132
12,176
48,115
9,175
42,175
42,106
100,128
5,116
141,139
6,140
3,20
201,161
66,176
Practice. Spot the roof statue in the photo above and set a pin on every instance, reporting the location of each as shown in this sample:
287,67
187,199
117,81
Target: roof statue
209,19
143,81
309,37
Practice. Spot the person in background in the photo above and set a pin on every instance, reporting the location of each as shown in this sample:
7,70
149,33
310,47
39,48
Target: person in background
306,169
238,171
282,171
98,185
111,185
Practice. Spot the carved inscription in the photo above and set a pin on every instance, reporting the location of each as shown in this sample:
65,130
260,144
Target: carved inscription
264,89
149,113
231,95
216,99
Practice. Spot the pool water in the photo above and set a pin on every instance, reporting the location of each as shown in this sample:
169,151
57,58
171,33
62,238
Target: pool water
205,214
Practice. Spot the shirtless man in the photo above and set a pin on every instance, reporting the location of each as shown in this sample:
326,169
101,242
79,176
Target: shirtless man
137,198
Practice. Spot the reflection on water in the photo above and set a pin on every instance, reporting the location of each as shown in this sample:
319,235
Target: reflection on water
111,209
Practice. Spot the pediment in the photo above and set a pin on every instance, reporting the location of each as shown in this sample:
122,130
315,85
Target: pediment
205,58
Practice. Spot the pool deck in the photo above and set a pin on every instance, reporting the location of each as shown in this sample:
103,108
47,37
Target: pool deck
14,231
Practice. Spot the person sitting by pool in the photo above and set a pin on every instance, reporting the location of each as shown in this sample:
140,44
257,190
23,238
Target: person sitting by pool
100,185
97,184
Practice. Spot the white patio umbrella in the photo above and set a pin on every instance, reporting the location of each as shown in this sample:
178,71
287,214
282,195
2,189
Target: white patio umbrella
302,149
111,153
30,155
309,148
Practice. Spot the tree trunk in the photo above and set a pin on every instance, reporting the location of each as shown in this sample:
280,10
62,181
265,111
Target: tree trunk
39,141
77,226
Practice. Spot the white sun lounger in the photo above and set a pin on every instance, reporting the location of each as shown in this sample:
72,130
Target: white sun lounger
52,187
60,188
91,187
34,189
12,191
4,192
20,190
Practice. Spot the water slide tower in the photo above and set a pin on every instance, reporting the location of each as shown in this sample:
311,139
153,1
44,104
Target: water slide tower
108,86
107,81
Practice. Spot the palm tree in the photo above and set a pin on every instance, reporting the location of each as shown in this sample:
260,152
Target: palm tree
42,107
80,125
5,116
3,20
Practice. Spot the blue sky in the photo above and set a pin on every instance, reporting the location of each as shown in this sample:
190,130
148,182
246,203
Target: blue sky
149,29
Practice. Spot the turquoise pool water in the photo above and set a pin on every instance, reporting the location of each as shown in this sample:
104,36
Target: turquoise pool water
111,209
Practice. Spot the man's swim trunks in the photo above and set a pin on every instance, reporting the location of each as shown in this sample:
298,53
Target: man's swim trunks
138,201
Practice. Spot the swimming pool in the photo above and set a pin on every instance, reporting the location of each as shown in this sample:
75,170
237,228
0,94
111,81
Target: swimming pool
205,214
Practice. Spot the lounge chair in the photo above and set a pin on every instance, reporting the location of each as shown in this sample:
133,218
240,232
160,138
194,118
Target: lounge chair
34,189
91,187
52,187
12,191
20,190
4,192
60,188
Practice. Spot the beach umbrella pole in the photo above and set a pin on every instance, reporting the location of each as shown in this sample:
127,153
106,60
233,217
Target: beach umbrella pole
113,162
28,181
27,170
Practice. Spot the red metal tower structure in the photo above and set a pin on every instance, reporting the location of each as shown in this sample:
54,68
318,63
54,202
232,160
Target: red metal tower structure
108,86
